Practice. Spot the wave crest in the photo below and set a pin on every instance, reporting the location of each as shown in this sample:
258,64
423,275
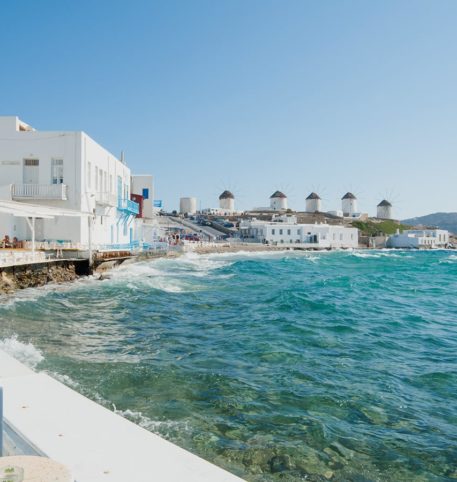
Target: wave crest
26,353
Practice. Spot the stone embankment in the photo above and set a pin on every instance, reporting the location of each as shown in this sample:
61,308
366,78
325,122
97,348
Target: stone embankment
18,277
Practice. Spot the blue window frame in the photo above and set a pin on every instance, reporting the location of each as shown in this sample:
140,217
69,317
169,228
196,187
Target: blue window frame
146,193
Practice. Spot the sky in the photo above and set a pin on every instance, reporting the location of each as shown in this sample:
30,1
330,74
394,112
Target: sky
249,95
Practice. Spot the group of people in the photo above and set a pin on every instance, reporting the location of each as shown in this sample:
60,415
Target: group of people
8,243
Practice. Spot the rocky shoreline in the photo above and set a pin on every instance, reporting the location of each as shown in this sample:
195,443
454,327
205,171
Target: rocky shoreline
13,278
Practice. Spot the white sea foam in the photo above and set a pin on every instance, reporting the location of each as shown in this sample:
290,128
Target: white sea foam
450,259
65,379
384,253
24,352
161,427
169,275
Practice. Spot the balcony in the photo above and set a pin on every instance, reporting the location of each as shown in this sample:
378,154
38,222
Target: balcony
106,199
40,191
128,207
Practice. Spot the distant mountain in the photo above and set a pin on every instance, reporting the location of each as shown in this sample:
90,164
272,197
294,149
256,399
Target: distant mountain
440,220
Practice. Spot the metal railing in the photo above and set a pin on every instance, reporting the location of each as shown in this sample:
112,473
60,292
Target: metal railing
128,206
40,191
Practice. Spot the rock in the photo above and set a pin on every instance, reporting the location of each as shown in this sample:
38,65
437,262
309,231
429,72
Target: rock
375,415
279,463
341,450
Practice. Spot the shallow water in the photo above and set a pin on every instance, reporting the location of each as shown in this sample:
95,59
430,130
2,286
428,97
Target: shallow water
279,367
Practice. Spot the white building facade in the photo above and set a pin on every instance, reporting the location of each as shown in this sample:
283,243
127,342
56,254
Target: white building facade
420,239
384,210
188,205
349,205
227,201
278,201
284,230
313,203
66,170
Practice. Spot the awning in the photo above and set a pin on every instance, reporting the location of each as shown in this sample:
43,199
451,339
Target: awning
33,211
26,210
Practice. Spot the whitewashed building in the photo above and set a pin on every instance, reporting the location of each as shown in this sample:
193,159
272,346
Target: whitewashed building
188,205
313,203
284,230
278,201
419,238
349,205
384,210
148,230
227,201
66,170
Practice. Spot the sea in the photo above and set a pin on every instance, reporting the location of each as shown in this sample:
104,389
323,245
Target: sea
286,366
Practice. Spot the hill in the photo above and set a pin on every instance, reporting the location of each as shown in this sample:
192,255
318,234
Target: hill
379,228
440,220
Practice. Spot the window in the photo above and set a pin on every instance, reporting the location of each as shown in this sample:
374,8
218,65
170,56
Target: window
280,231
145,193
57,171
288,232
125,228
273,231
341,236
31,162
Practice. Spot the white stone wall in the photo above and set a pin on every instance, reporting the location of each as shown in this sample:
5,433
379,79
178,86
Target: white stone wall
227,204
313,205
188,205
278,203
384,212
349,206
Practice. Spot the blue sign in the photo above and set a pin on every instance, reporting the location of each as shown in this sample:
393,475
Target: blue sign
158,203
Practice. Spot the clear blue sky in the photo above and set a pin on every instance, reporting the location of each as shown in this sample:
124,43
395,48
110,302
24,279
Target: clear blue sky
249,95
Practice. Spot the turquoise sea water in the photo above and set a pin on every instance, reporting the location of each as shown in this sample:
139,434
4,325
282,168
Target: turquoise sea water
279,367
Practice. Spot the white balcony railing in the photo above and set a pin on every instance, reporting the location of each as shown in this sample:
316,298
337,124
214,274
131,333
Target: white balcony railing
106,199
40,191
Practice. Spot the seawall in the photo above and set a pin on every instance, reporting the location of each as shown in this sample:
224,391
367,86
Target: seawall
31,275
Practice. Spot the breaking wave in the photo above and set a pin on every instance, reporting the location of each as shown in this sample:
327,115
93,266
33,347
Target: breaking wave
26,353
